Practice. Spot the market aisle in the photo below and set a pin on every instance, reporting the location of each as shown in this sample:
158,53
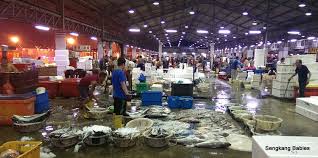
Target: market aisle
220,94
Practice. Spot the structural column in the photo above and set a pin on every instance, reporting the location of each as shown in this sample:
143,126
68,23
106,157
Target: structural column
61,53
134,52
100,49
160,50
212,52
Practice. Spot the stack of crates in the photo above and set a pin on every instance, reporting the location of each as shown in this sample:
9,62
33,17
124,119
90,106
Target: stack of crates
151,98
184,102
142,87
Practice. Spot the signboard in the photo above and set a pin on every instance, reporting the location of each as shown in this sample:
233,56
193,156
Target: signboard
313,50
82,48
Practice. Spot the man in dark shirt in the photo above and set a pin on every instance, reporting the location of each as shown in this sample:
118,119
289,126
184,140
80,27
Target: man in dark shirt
234,66
303,77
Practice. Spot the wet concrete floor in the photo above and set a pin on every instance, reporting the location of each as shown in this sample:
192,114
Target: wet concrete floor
219,95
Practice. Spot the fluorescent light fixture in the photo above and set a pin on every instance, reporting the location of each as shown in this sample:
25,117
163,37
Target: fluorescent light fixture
183,53
245,13
205,37
94,38
74,34
150,31
166,34
127,45
186,26
252,46
183,33
131,11
202,31
162,22
134,30
171,31
155,3
145,25
303,36
191,12
224,31
311,38
293,32
254,23
308,14
293,40
264,28
254,32
302,5
181,36
174,53
234,37
225,35
164,52
246,33
279,42
221,27
41,27
225,40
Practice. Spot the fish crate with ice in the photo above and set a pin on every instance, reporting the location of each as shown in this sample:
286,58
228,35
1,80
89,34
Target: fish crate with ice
173,102
42,103
151,98
186,102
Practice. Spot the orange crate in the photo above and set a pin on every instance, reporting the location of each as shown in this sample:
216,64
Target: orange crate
29,149
15,107
69,87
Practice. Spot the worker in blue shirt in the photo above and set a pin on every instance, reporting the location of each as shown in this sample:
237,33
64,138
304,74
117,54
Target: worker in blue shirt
120,90
234,66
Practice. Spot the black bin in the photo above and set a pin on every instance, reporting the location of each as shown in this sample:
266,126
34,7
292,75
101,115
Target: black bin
181,89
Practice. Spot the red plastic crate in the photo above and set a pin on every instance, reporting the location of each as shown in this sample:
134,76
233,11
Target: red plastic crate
51,86
309,91
69,87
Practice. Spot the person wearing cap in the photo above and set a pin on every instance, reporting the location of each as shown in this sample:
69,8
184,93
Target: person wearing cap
303,77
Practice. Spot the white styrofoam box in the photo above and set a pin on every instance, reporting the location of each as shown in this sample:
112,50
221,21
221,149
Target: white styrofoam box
62,52
283,77
62,62
280,93
283,85
242,74
61,57
308,103
284,68
265,147
255,84
307,113
157,87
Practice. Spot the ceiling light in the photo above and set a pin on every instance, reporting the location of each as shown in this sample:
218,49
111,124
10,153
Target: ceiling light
94,38
225,40
255,32
245,13
205,37
246,33
74,34
134,30
311,38
202,31
41,27
264,28
186,26
293,40
14,39
162,22
145,25
224,31
303,36
191,12
254,23
234,37
302,5
308,14
183,33
150,31
293,32
225,35
155,3
221,27
171,31
131,11
181,36
174,53
279,42
70,40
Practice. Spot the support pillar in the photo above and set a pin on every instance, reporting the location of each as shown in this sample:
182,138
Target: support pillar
212,52
134,53
61,53
160,50
100,50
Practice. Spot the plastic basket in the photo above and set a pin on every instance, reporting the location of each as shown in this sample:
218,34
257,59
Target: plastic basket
151,96
42,103
173,102
29,149
141,87
186,102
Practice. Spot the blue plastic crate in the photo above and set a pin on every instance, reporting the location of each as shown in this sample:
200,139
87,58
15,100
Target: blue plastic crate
151,96
148,103
186,102
173,102
42,103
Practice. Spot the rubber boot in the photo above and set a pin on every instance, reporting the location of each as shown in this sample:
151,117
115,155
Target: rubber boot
118,121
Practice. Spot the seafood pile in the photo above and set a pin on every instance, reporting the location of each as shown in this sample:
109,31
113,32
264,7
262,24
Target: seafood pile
151,112
175,127
126,133
157,132
96,130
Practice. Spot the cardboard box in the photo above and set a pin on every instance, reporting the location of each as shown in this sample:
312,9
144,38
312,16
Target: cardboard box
284,147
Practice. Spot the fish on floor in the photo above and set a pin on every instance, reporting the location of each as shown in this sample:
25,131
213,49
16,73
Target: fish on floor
213,144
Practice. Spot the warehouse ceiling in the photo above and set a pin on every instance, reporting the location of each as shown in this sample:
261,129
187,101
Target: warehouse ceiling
155,17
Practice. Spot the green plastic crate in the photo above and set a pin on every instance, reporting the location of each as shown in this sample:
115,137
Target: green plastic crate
141,87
